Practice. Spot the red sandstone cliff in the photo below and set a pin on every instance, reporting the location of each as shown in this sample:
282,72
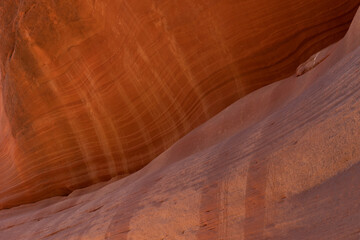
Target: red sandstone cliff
96,89
280,163
288,170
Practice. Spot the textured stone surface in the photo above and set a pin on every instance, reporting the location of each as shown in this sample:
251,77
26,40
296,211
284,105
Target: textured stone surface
96,89
281,163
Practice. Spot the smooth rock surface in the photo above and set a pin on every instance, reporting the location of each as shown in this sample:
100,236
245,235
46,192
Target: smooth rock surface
281,163
91,90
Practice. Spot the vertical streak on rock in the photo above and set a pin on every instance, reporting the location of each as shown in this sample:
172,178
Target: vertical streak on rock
135,116
213,206
164,87
179,56
209,212
120,223
218,36
223,214
103,124
255,201
94,105
78,137
153,111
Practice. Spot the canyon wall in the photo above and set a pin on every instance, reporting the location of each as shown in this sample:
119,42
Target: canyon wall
94,89
287,170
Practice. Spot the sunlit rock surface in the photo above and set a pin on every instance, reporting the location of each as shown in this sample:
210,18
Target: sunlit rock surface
280,163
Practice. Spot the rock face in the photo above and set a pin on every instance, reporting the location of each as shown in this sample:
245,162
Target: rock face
96,89
281,163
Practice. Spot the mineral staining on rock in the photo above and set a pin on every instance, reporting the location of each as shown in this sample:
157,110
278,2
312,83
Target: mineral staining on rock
159,96
91,90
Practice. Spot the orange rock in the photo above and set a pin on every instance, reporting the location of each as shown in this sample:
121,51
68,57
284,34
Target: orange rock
289,170
96,89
